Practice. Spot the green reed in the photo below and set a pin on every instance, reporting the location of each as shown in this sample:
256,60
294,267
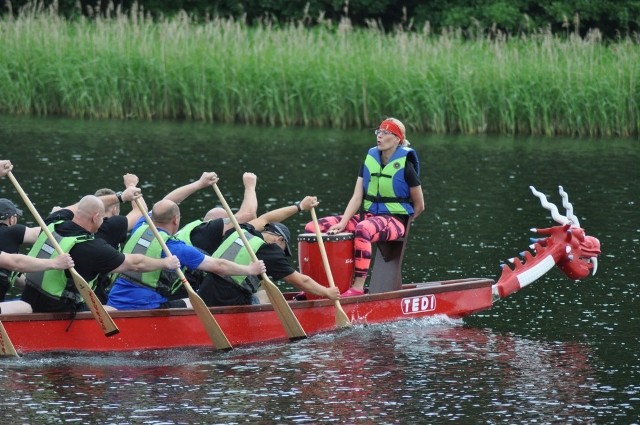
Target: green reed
129,66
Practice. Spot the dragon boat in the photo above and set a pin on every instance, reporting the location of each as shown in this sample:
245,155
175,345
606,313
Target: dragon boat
564,245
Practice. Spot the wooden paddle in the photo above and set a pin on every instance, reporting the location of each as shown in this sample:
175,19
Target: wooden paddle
6,347
289,321
342,321
91,300
210,324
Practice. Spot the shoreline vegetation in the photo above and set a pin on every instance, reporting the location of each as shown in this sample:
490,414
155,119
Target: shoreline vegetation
132,67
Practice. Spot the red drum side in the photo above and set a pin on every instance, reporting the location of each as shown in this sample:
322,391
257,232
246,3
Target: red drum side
339,248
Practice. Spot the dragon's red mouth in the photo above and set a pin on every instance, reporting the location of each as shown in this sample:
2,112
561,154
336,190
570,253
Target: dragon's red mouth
590,250
591,263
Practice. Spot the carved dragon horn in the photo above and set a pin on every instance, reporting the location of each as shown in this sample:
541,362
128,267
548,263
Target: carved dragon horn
555,214
569,207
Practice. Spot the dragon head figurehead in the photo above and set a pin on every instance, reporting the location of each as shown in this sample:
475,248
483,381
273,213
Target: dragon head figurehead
565,245
581,258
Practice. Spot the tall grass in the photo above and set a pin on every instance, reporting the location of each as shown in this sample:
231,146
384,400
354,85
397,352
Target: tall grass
129,66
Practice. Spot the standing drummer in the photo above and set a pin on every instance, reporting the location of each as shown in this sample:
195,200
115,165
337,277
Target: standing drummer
270,240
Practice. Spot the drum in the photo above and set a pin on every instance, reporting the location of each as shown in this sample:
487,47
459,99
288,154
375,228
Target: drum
339,248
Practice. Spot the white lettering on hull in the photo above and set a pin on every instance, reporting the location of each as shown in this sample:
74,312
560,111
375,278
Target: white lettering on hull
418,304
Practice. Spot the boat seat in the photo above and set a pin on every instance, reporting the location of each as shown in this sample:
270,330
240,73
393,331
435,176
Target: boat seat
386,274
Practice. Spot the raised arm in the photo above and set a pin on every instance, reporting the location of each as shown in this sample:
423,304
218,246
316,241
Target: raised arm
5,167
183,192
111,200
134,215
249,207
131,181
281,214
128,195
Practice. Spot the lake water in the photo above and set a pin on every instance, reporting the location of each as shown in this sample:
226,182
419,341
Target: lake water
556,352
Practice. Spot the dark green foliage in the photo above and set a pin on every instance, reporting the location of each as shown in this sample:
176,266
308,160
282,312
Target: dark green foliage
474,17
612,18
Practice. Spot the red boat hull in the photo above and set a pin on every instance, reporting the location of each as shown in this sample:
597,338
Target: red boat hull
243,325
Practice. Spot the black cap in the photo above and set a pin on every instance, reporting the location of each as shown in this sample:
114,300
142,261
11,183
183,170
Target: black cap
281,230
8,209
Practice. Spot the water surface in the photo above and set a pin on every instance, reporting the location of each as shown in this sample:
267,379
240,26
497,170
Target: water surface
556,352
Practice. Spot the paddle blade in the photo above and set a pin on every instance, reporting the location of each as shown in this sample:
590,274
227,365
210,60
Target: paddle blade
97,309
342,320
212,327
6,347
289,321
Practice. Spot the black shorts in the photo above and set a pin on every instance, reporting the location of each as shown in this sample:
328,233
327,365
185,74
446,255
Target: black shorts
41,303
174,304
215,292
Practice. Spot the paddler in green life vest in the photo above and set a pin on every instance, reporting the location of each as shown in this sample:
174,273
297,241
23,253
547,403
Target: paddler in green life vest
134,290
53,291
20,263
12,237
389,190
206,234
270,240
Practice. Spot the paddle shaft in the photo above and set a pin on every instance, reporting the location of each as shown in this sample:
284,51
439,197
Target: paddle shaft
323,252
91,300
282,308
212,327
342,320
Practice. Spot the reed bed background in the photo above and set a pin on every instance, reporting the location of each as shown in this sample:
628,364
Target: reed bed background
128,66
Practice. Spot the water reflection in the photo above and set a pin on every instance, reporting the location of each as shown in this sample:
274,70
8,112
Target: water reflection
427,370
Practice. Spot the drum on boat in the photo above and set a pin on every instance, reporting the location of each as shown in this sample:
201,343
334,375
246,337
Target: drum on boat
339,248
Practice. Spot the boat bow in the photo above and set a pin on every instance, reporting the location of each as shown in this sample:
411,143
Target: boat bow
566,246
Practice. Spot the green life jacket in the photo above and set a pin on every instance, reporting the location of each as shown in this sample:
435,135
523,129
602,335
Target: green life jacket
194,276
185,233
56,283
233,249
8,279
385,189
144,242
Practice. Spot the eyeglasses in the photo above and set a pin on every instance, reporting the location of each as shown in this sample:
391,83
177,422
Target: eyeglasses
383,132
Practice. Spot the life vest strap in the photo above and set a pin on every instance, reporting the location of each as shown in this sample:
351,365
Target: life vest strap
381,174
386,199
